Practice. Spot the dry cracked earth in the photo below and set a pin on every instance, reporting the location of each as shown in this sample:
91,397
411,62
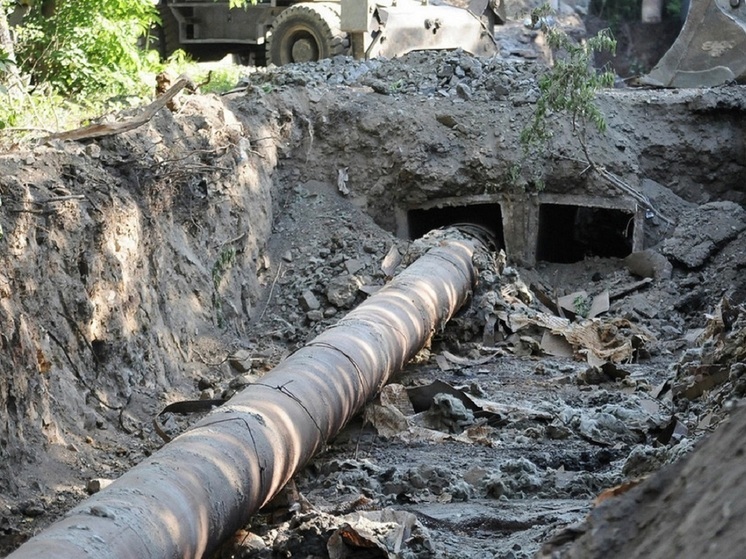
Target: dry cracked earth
579,406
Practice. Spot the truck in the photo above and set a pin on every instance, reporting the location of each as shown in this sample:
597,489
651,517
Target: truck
285,31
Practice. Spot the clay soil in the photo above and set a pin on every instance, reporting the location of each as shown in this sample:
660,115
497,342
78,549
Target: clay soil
184,259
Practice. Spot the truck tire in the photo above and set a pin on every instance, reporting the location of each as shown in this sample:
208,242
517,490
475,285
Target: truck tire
306,32
168,31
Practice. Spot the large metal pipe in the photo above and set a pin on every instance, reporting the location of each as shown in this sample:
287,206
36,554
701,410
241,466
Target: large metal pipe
196,491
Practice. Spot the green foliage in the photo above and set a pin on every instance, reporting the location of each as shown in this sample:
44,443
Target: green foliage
221,78
582,305
674,8
6,65
221,266
88,47
396,86
513,178
570,86
241,3
32,108
615,12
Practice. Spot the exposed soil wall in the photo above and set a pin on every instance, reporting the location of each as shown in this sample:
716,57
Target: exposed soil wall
122,262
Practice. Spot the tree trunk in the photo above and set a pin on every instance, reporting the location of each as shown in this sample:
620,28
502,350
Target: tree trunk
200,488
9,76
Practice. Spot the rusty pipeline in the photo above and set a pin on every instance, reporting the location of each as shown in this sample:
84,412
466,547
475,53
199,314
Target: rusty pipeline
195,492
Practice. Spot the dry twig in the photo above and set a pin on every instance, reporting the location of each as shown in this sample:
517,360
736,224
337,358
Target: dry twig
112,128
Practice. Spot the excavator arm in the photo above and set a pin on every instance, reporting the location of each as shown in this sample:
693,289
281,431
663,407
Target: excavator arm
709,51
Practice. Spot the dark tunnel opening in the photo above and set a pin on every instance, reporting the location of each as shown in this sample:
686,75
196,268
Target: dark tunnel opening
487,216
571,233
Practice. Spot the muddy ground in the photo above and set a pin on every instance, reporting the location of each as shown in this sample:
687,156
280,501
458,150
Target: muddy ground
185,259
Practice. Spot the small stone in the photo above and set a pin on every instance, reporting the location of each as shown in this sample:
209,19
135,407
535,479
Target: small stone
670,332
243,544
342,291
315,316
204,384
93,151
463,91
354,265
329,312
89,420
32,509
445,71
446,120
557,431
241,381
642,306
287,256
240,361
308,301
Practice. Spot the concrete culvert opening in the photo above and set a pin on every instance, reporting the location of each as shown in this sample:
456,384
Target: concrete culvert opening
486,216
569,233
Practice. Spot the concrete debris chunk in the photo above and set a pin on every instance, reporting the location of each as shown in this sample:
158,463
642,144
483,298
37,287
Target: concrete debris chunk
391,261
342,290
354,265
642,306
448,414
703,231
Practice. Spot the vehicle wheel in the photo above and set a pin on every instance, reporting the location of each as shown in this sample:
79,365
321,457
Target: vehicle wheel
305,33
168,31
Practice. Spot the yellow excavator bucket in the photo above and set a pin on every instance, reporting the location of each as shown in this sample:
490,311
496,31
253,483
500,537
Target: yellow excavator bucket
710,50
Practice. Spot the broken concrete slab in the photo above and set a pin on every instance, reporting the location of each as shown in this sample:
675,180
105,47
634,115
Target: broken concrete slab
703,231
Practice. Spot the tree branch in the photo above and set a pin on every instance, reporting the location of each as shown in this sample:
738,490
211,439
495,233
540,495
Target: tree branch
112,128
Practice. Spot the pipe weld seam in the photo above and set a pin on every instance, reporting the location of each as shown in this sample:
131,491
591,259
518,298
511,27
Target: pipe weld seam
443,255
350,320
358,370
281,388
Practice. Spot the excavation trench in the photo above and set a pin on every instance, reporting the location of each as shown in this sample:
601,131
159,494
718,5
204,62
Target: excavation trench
199,489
